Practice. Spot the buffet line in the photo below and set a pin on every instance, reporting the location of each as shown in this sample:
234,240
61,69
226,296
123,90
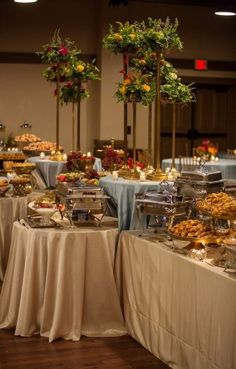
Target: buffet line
196,209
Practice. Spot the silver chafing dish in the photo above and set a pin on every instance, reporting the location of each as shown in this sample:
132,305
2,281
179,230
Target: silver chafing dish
163,205
199,183
82,203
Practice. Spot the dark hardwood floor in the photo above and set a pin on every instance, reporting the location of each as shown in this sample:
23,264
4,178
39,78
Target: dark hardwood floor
88,353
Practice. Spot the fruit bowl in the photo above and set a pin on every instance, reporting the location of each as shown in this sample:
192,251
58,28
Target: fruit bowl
45,212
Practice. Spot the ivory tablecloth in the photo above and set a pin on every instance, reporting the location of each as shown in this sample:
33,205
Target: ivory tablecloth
11,208
60,283
182,310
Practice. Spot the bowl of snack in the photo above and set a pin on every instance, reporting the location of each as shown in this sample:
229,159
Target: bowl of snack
4,186
26,138
44,209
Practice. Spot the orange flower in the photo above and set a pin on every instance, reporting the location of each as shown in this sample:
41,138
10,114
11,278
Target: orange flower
126,81
146,87
212,150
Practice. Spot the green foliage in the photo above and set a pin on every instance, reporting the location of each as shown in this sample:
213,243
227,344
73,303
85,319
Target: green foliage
177,92
161,35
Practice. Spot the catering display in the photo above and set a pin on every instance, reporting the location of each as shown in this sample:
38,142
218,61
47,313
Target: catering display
167,206
81,203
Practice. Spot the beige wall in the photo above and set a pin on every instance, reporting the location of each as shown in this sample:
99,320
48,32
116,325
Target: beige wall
24,95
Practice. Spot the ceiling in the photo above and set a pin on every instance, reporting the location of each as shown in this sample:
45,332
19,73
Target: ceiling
208,3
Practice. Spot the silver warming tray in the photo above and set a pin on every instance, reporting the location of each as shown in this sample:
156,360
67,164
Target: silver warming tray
168,206
82,203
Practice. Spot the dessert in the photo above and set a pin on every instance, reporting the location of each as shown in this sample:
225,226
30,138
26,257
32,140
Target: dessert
42,146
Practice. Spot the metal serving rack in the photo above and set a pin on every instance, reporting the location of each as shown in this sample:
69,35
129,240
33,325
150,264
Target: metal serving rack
165,205
83,204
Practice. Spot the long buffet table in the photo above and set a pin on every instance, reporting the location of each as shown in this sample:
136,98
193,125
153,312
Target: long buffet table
181,310
60,283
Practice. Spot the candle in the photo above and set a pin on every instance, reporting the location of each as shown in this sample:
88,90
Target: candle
142,176
64,157
42,155
89,154
114,175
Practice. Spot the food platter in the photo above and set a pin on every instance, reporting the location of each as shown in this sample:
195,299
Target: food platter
204,240
208,213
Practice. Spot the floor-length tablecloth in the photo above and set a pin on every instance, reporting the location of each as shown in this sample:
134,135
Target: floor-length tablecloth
11,208
182,310
122,194
60,283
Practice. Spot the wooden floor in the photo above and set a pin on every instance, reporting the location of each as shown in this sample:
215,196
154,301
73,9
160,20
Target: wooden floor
88,353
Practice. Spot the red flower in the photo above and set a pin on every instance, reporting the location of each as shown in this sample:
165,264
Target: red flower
63,51
69,84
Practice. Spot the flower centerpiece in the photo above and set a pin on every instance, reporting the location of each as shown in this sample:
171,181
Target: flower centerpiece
123,38
207,150
73,91
58,54
112,160
136,87
159,35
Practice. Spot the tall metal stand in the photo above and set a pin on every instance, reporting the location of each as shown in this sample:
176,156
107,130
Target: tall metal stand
149,169
158,174
173,172
78,117
73,126
134,133
125,69
57,113
173,135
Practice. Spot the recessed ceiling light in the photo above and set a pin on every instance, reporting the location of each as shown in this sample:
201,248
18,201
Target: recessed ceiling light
225,13
25,1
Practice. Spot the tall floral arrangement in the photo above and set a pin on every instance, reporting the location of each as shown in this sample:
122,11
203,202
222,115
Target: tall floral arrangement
147,41
58,54
70,73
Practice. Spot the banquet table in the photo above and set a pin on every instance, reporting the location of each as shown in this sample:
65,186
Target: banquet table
11,208
226,166
182,310
60,283
49,169
122,194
